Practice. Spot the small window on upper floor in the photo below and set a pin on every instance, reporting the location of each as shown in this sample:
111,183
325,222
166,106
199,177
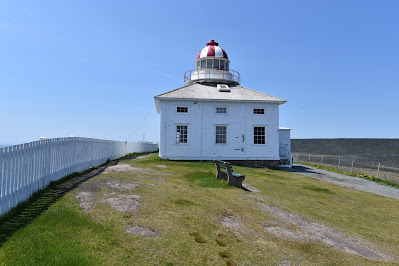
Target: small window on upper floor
221,110
182,109
259,111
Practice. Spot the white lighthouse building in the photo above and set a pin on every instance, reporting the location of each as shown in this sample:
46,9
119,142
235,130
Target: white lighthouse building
213,117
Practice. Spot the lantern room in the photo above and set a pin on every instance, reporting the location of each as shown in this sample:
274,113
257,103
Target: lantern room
212,65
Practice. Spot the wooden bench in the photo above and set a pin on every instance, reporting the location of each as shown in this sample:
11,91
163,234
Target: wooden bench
225,172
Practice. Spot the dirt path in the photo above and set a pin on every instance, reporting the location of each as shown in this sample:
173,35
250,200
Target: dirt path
344,180
119,195
308,231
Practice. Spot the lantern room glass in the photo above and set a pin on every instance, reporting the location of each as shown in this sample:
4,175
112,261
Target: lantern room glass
213,64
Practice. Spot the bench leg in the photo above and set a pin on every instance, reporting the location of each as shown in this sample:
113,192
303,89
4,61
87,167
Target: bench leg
223,176
220,174
235,181
231,180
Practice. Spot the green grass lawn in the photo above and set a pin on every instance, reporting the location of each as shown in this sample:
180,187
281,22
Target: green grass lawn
187,207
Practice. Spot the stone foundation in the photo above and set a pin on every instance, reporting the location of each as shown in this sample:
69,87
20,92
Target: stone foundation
274,164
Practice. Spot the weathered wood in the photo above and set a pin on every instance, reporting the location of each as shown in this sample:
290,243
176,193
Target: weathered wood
221,174
232,178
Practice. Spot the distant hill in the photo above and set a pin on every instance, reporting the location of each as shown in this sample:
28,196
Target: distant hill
385,151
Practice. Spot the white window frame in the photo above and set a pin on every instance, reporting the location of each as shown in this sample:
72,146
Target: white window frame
183,113
216,110
227,133
188,134
253,135
259,108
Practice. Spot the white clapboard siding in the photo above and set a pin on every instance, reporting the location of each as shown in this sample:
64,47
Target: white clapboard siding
29,167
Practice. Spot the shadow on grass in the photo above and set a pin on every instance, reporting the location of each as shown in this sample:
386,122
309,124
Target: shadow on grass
300,169
25,212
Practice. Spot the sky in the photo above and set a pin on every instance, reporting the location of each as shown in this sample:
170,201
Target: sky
92,68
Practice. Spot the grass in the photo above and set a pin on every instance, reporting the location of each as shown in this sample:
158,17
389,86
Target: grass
368,177
40,201
318,189
187,209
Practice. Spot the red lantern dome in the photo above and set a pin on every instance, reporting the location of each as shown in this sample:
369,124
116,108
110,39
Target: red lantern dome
212,49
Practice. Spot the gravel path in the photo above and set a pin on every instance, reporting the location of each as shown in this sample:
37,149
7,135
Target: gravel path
344,180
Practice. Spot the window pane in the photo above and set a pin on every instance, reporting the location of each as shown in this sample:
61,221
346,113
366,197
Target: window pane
203,64
226,67
259,111
221,110
198,64
259,135
182,109
209,63
221,134
216,63
181,134
222,63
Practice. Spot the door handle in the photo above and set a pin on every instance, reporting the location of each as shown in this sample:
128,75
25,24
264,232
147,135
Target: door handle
243,138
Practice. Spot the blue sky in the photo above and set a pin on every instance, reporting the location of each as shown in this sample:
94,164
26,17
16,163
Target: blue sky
91,68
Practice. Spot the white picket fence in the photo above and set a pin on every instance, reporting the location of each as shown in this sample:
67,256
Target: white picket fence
29,167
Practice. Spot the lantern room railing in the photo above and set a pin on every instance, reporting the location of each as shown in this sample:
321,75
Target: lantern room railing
212,73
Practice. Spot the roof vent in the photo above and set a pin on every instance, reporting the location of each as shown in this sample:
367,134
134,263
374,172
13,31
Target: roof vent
223,88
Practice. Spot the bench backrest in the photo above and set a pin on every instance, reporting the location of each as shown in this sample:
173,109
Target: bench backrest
222,164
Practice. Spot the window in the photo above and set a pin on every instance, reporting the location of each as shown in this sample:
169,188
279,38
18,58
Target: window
259,111
259,135
221,134
216,63
209,63
221,110
182,109
181,133
203,64
198,64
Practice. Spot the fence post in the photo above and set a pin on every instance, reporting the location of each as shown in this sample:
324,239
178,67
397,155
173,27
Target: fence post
321,161
353,160
339,161
378,170
309,157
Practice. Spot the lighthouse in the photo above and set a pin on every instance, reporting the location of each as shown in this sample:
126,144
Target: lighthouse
212,65
213,117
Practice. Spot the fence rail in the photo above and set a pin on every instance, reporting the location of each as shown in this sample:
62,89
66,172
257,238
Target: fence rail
29,167
352,164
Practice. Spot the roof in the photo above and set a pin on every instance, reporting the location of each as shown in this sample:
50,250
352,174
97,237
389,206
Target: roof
210,92
212,49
